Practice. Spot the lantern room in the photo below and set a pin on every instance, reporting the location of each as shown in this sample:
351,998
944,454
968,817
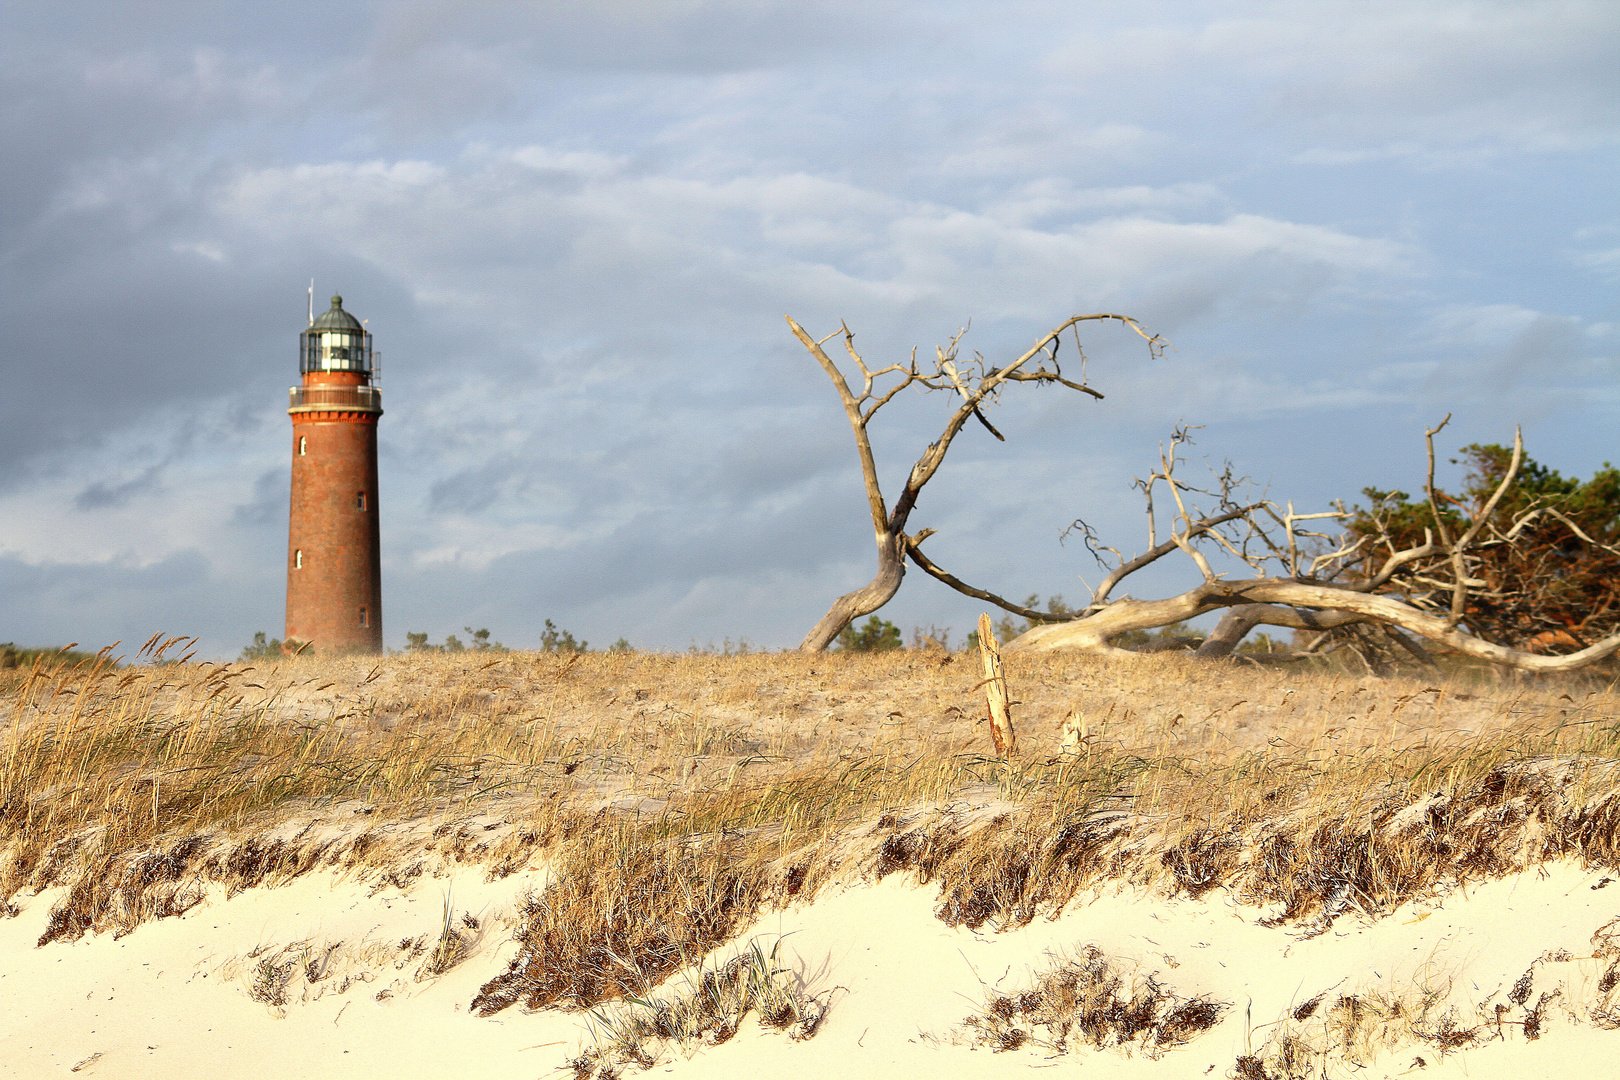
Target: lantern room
335,341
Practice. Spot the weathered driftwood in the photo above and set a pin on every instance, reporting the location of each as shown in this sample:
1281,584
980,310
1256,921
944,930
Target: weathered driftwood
1092,632
998,707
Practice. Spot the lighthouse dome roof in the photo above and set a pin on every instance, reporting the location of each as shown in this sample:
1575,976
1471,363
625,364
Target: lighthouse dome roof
336,318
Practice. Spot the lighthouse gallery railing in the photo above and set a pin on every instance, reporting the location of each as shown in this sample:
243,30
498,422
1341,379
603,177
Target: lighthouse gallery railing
364,398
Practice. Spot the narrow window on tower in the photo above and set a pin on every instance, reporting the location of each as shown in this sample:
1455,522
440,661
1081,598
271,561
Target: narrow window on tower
303,445
365,620
360,501
298,559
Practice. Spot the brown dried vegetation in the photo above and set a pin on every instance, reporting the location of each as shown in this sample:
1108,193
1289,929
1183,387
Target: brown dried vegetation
1086,1001
1358,1027
675,796
707,1011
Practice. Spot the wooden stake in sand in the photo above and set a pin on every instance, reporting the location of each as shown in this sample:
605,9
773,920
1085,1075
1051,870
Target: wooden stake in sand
995,691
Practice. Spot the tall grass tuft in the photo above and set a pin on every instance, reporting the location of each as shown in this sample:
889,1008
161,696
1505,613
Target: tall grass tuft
620,916
707,1010
123,783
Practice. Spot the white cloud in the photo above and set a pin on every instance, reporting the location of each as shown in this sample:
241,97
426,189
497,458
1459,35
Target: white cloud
585,164
203,249
779,241
1048,144
1478,324
1606,262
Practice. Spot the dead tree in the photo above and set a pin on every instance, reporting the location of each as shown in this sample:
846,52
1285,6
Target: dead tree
1312,580
977,384
1340,583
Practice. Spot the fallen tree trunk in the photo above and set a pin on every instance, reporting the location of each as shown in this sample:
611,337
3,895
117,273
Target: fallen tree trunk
1093,632
1364,587
1239,620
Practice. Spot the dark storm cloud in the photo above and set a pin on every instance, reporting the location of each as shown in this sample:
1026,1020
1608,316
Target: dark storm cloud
101,495
131,601
472,490
71,117
269,505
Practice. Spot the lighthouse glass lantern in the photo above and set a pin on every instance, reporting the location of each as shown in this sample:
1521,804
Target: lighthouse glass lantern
335,342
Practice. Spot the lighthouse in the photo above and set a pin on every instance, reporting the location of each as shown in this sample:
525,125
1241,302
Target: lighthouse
334,565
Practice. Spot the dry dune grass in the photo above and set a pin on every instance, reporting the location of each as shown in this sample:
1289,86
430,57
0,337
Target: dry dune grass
708,1010
674,795
1354,1029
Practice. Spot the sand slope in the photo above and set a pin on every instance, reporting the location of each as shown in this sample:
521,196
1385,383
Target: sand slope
173,998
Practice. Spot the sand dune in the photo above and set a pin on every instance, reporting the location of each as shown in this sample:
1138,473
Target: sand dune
174,998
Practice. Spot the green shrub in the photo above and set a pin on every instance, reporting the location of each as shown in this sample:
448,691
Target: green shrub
452,644
1010,627
263,647
874,635
1555,588
555,640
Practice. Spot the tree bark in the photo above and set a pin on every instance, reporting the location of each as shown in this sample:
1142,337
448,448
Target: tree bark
890,535
865,600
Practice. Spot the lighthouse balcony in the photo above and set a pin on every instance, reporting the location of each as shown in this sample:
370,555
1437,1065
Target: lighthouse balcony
327,398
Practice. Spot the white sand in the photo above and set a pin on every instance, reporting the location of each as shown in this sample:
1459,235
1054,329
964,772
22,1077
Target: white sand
171,999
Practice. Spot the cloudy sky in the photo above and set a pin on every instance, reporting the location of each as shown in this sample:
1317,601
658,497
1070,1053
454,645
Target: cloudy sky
575,229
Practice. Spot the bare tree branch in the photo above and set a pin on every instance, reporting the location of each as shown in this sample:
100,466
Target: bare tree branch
1459,592
857,421
1428,484
976,385
1574,528
1032,614
1425,572
1125,570
891,558
1241,618
1399,559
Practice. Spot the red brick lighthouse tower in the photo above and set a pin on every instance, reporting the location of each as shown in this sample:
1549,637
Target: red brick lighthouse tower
334,566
